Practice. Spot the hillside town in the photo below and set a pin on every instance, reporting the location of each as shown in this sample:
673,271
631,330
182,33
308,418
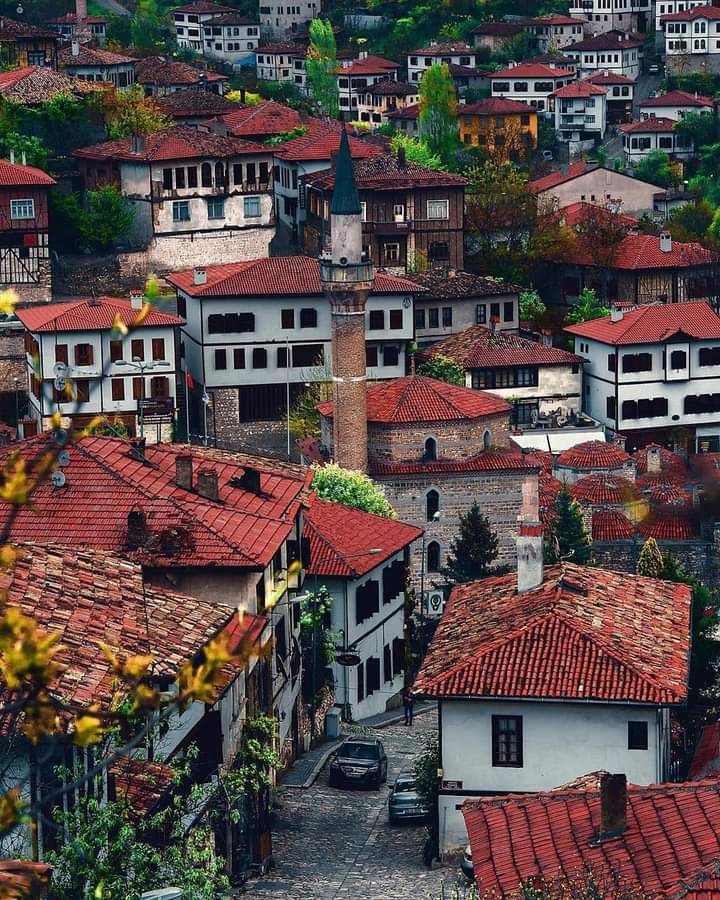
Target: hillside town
360,450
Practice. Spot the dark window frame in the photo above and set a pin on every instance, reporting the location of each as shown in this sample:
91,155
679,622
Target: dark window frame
498,732
638,735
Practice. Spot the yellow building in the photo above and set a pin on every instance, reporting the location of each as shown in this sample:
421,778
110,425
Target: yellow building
505,129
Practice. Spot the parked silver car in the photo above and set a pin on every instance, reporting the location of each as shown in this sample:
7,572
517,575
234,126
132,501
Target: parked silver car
404,802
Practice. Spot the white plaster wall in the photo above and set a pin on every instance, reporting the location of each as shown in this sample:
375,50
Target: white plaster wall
603,184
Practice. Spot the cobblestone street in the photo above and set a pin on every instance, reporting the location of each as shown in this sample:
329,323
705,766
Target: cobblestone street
333,844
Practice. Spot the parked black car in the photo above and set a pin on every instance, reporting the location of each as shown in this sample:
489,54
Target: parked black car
359,761
404,802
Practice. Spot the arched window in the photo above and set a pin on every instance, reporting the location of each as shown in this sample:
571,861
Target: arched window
206,174
430,452
487,440
219,174
433,556
432,504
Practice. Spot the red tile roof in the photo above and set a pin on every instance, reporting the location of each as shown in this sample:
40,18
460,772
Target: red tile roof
270,277
284,48
446,49
392,88
387,173
608,40
494,106
660,124
668,523
140,784
609,78
89,315
264,120
706,759
203,6
678,98
176,142
593,455
32,85
14,175
322,142
12,30
552,19
194,101
532,70
580,89
407,112
649,481
340,539
670,849
461,285
599,490
229,18
611,525
585,633
653,324
478,347
689,15
578,213
556,178
487,461
542,458
91,56
72,19
106,482
667,494
417,399
89,596
159,71
369,65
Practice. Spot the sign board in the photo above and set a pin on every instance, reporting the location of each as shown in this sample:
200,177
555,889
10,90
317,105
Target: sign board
347,659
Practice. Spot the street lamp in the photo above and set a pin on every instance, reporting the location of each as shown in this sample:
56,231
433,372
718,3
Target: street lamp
17,402
142,367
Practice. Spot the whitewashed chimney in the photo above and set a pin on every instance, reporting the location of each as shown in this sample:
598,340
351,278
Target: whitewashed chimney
136,300
530,569
199,275
666,242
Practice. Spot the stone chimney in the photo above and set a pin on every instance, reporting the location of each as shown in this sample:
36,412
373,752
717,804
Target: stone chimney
613,805
652,460
137,447
137,300
207,484
136,529
199,275
665,242
81,10
530,570
184,471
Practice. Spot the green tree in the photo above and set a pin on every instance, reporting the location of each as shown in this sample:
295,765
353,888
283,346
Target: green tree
35,152
655,169
437,122
147,32
531,306
650,562
567,539
416,151
108,218
473,550
321,65
587,308
355,489
700,129
443,368
130,112
425,770
692,221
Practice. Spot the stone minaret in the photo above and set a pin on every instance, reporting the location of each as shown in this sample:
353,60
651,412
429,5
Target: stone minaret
347,280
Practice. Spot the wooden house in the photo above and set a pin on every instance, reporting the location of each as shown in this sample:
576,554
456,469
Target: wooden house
22,44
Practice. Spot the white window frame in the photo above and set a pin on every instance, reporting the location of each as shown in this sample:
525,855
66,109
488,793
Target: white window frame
442,205
252,215
177,205
363,211
22,209
211,203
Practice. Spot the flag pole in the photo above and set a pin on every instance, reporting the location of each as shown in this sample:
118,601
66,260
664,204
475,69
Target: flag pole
187,405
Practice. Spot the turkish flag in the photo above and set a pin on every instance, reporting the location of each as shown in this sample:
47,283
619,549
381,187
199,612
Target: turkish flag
189,380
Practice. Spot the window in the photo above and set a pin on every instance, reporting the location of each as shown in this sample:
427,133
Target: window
180,177
433,318
259,358
83,354
387,663
231,323
117,386
610,407
22,209
61,351
137,386
287,318
377,319
238,359
438,251
167,179
396,319
216,208
367,601
702,403
709,356
678,359
637,735
612,362
430,450
398,655
372,668
82,390
251,207
192,181
371,357
206,175
507,746
137,349
432,504
159,387
360,669
495,311
158,348
438,209
644,409
508,311
433,557
419,318
391,252
480,314
181,211
308,317
221,359
308,355
282,358
637,362
520,376
391,355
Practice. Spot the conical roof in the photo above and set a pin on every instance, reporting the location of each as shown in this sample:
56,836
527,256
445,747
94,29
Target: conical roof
345,199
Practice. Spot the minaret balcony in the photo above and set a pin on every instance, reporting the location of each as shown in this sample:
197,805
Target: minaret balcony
335,273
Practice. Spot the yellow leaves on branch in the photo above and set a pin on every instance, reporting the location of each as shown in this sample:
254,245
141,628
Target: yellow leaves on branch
10,809
8,301
18,482
89,729
134,672
197,677
26,652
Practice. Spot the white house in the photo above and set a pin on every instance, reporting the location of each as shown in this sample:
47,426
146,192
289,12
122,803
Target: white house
670,7
654,371
257,332
355,76
457,54
609,15
70,28
553,32
692,39
676,105
78,365
531,83
188,19
278,19
277,62
580,111
542,676
614,51
383,98
582,183
94,64
230,38
362,560
649,135
197,196
620,94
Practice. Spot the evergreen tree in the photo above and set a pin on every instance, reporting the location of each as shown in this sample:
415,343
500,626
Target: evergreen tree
320,65
437,122
650,561
472,552
442,368
567,540
587,308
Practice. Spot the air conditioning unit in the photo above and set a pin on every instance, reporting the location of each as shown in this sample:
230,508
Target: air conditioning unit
436,603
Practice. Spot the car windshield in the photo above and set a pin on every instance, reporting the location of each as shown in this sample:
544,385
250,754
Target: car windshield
359,751
404,787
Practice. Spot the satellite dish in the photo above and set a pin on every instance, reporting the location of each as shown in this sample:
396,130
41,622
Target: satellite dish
59,383
58,479
59,369
63,458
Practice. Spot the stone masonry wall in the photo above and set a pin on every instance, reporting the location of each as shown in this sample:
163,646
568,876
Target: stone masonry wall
696,557
455,440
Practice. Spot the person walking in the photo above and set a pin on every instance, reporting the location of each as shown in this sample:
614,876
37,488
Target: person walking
408,701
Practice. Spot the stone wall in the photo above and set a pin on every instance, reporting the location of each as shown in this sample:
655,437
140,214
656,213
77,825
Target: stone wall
455,440
228,433
698,557
688,63
12,360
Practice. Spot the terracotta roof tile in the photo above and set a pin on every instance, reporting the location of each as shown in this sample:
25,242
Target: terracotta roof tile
611,525
91,56
203,7
11,30
542,458
557,178
444,49
670,849
194,102
269,277
479,347
553,19
487,461
585,633
666,494
176,142
668,523
229,18
655,323
580,89
660,124
386,173
160,71
71,18
369,65
593,455
706,759
532,70
38,84
322,142
13,175
494,106
285,48
575,214
609,78
140,783
336,532
599,490
88,315
407,112
678,98
608,40
392,88
689,15
455,284
264,120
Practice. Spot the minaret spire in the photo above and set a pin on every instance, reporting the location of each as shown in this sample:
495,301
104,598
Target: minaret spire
347,281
